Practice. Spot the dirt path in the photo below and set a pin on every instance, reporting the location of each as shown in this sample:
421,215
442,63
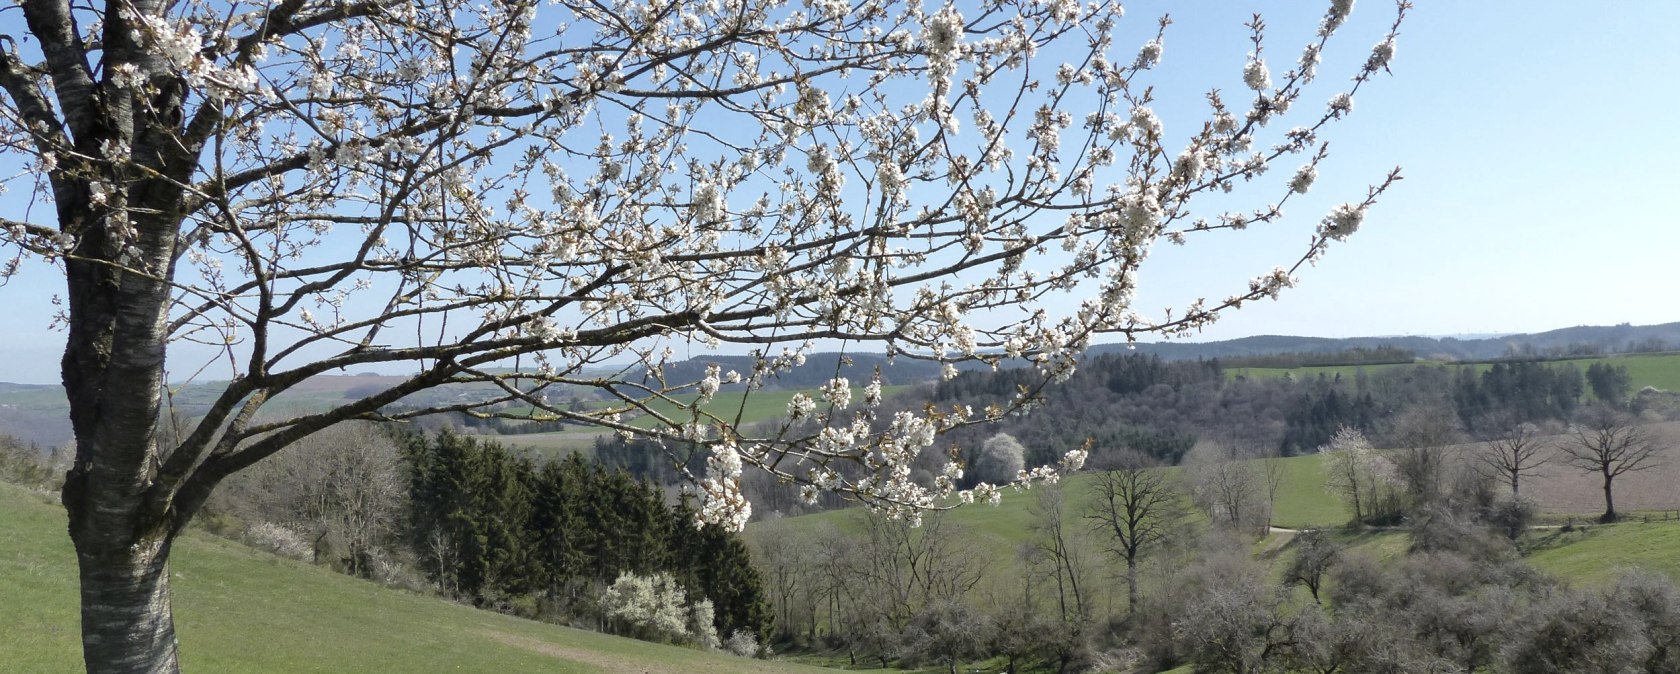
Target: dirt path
578,655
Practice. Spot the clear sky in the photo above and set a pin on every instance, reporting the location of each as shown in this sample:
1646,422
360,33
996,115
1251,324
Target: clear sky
1539,145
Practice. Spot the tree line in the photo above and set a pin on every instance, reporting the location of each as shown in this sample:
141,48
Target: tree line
481,523
1376,355
1163,408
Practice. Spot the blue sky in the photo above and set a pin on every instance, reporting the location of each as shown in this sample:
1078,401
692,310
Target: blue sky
1539,150
1539,146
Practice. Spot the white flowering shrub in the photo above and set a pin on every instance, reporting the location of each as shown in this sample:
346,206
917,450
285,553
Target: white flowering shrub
280,540
702,628
1001,459
650,607
742,644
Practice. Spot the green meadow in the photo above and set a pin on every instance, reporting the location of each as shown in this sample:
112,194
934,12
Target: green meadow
1661,370
240,610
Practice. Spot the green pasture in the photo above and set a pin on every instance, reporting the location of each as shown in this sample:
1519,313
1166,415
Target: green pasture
1661,370
1600,553
240,610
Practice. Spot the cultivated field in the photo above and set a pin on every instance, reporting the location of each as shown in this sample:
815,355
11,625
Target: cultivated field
1563,490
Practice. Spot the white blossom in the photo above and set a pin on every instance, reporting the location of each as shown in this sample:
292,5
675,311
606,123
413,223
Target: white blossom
1189,164
1381,54
837,392
1256,76
1339,10
1303,179
1341,104
1149,54
1342,221
1145,121
800,405
708,203
721,500
872,393
943,34
709,384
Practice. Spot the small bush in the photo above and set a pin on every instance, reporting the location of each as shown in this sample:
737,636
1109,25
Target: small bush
742,643
279,540
656,608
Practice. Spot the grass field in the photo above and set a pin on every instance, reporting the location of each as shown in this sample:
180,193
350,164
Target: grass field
1591,554
1599,554
1661,370
239,610
998,532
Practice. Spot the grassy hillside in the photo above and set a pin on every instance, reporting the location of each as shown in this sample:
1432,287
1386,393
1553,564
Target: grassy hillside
1661,370
238,610
1598,554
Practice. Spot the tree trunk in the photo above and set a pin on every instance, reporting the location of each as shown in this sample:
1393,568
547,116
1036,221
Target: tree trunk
1358,512
1609,502
113,378
127,622
1131,587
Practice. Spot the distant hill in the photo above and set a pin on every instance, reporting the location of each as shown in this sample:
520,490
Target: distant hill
36,412
1576,341
1580,340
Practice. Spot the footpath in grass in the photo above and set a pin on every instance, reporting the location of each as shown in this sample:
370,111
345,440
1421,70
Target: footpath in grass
238,610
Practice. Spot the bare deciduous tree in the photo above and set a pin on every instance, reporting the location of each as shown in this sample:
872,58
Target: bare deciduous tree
1133,506
1056,544
947,631
1515,451
1274,471
788,564
1611,443
1229,484
343,486
502,197
1315,553
1422,433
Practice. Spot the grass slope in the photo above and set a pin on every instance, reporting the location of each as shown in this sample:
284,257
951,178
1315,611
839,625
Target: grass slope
1599,554
239,610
